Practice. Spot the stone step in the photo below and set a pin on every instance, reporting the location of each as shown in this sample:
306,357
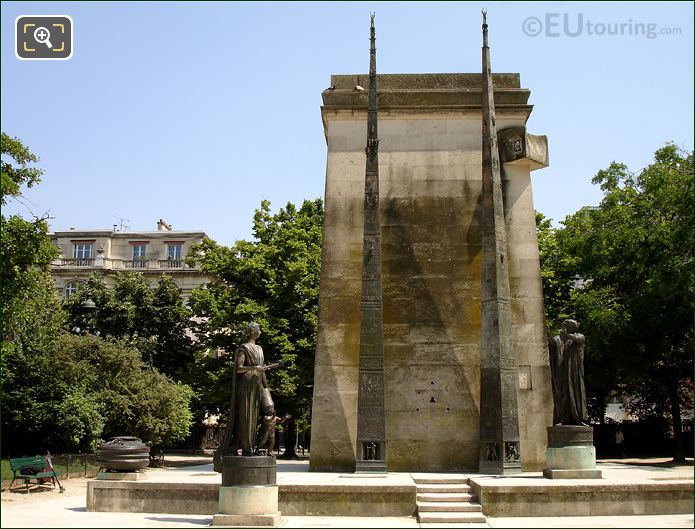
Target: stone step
450,517
445,496
443,487
439,478
448,506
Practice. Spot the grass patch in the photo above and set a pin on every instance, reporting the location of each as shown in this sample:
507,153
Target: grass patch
61,467
5,469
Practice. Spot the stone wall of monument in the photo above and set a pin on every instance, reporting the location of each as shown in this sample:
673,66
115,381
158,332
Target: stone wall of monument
430,171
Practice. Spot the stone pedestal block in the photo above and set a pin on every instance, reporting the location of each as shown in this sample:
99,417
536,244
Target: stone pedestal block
122,476
246,520
249,492
254,499
571,453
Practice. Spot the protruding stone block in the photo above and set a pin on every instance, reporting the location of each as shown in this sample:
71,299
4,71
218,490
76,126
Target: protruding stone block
518,147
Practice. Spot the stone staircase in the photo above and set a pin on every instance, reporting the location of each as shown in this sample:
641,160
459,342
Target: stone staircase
446,499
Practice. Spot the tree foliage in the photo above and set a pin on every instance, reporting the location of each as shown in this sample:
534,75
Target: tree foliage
65,392
16,167
87,389
155,320
273,280
635,254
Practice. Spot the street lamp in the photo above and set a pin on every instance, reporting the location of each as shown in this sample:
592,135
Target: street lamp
88,307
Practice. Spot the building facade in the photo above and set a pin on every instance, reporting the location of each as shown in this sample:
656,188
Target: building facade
107,252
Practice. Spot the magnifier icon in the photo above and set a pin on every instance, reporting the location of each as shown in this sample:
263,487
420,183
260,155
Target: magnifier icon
42,35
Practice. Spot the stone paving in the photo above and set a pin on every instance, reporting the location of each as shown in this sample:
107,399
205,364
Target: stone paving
52,509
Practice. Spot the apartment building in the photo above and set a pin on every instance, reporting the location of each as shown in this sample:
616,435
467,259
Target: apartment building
83,252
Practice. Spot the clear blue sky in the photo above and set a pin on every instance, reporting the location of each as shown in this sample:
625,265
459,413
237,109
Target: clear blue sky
194,112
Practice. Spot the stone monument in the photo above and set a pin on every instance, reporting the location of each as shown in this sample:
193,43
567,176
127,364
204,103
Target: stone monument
571,452
430,204
249,491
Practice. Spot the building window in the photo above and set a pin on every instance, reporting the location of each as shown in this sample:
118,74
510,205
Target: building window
174,252
139,252
82,251
70,289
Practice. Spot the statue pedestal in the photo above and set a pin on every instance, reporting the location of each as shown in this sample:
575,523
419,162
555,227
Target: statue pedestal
121,476
571,453
249,492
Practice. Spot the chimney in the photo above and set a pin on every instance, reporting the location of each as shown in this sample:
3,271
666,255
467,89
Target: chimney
163,226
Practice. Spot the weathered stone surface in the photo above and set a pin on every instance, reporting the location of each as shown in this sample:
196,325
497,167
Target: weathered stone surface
147,496
246,520
555,473
430,184
572,458
566,498
348,500
525,497
252,499
122,476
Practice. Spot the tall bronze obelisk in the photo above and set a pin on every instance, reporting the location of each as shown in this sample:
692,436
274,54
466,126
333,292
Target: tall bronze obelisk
499,418
371,436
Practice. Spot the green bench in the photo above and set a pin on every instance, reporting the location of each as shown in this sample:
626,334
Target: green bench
36,468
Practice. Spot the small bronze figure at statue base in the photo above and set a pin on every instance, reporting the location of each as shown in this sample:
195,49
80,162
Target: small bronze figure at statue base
571,453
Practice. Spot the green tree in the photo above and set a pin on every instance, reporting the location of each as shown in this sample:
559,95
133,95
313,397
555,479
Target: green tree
65,392
86,389
635,253
16,167
156,320
30,307
273,280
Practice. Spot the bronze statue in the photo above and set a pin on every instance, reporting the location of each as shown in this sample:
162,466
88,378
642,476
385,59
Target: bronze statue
267,430
567,372
249,390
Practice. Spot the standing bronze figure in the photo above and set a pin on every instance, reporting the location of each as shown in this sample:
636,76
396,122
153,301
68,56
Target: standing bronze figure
249,391
567,370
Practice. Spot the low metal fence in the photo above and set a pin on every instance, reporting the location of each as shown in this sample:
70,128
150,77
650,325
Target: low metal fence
67,466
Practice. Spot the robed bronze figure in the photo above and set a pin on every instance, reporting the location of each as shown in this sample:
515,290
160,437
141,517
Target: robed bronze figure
250,395
567,370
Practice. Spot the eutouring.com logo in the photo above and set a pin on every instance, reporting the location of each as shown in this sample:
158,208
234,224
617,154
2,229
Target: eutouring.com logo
577,25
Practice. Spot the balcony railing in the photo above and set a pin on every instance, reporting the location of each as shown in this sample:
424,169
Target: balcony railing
78,262
108,263
171,263
136,263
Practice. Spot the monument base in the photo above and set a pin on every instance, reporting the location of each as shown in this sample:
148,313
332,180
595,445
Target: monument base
249,492
121,476
571,474
246,520
371,466
499,469
571,453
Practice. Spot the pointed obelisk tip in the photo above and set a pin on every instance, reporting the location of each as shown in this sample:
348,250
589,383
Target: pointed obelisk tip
371,16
